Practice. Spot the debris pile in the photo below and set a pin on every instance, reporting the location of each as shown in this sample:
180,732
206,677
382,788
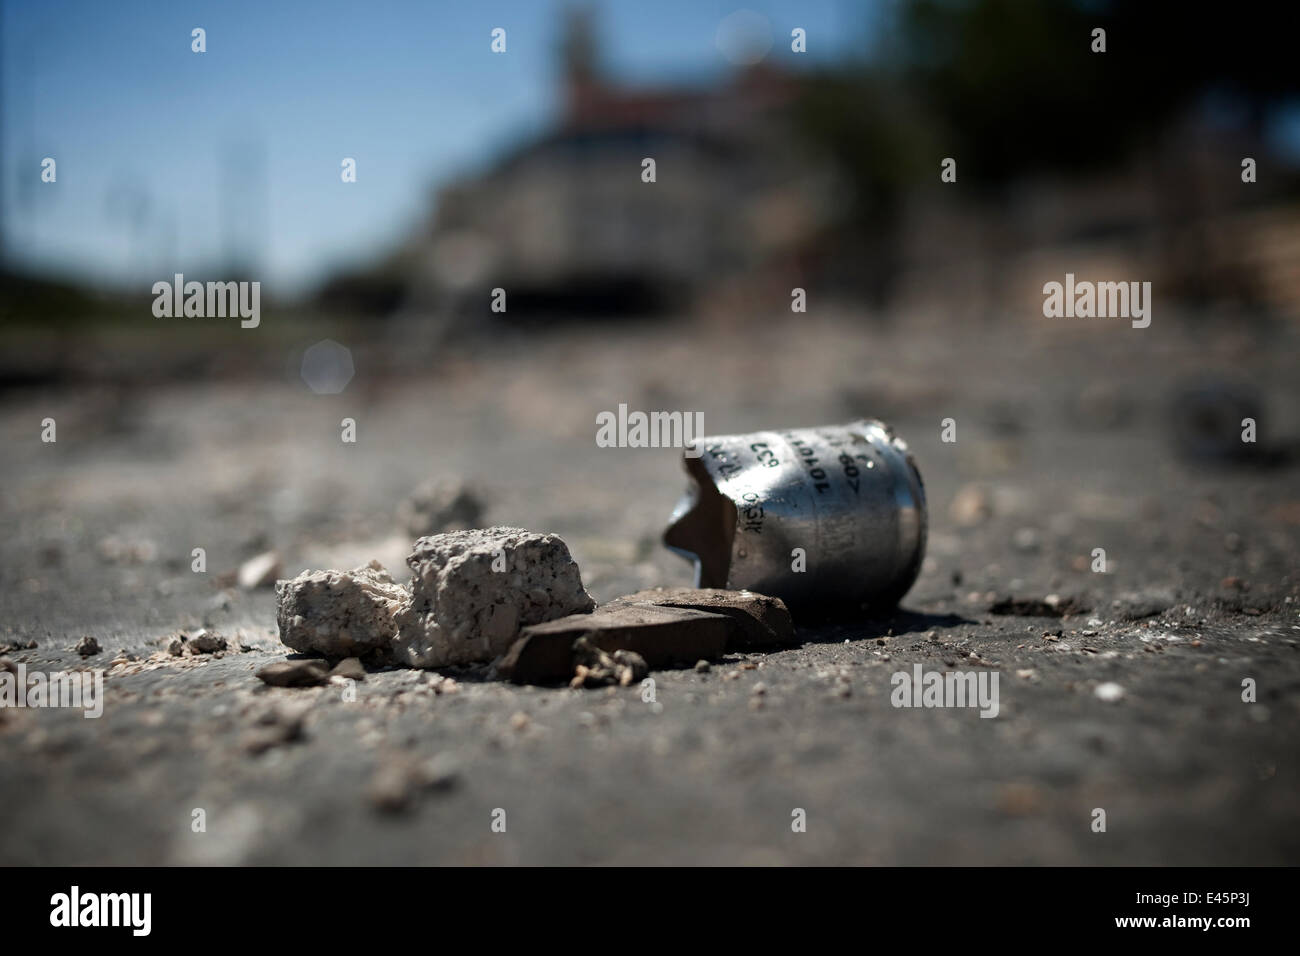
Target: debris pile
665,628
200,642
595,668
661,636
513,598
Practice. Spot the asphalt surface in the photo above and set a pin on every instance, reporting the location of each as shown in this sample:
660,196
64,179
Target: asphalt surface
1065,443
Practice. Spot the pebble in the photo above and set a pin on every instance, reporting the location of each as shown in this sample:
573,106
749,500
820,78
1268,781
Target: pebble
1026,540
349,667
274,726
390,788
206,642
295,673
438,506
1110,692
259,572
971,506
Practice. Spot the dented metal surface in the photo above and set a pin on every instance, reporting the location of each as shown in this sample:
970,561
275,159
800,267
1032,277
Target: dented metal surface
819,517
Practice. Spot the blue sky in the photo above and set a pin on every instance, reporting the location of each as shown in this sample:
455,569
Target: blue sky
167,157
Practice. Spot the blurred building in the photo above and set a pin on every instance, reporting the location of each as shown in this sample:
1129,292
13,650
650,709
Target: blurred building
568,216
768,179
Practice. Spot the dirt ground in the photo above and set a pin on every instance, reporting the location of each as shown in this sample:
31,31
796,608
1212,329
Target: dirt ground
1065,443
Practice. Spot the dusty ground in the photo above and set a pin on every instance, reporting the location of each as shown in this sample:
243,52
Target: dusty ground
1063,439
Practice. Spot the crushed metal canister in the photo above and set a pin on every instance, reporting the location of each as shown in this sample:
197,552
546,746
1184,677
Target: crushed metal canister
820,517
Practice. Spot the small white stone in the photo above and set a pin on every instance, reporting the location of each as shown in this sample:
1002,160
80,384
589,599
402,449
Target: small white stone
1110,692
259,572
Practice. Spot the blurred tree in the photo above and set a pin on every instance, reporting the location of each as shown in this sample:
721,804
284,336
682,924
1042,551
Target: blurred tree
1012,86
1020,88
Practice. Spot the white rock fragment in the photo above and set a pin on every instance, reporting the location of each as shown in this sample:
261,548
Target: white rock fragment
471,592
1110,692
259,572
340,613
